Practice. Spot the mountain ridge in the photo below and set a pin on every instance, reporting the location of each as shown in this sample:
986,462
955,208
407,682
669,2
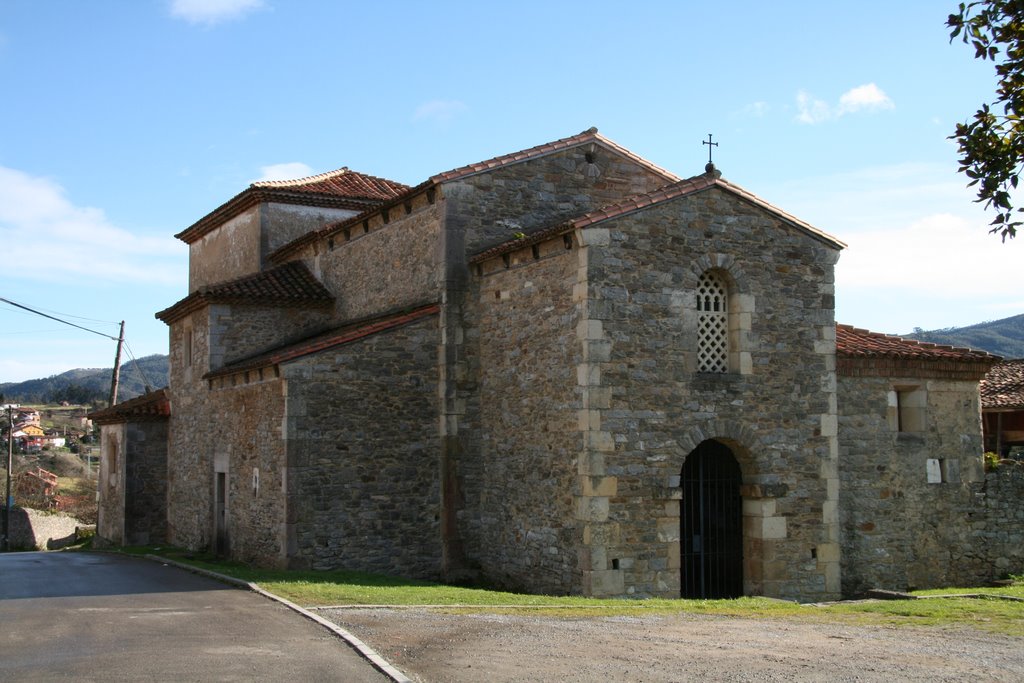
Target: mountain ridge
1003,337
91,385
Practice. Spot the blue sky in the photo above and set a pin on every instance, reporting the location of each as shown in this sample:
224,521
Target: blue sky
123,122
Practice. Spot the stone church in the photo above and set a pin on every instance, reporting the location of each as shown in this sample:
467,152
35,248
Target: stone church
564,370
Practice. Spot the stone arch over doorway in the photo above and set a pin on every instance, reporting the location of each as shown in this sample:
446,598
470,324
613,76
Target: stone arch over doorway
762,527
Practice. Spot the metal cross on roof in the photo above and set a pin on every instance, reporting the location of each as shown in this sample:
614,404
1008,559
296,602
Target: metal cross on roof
710,145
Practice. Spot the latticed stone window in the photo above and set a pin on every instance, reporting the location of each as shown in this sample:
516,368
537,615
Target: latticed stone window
712,324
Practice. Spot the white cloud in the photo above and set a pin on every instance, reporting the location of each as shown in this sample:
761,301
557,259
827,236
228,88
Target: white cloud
287,171
48,238
919,252
811,110
940,255
754,110
439,111
864,97
210,12
867,97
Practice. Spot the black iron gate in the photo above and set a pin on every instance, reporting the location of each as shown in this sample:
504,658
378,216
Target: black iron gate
711,524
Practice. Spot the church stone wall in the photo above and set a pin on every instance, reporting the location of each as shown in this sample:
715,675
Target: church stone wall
110,521
248,447
282,223
363,486
190,436
911,513
240,331
390,266
229,252
646,407
236,430
493,206
517,520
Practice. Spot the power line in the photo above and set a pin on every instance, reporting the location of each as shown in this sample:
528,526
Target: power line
138,368
32,310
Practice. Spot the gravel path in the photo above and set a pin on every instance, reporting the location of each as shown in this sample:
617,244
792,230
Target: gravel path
434,647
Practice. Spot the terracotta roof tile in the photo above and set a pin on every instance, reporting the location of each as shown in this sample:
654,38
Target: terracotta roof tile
341,183
1003,386
290,284
151,406
343,189
856,342
325,340
589,135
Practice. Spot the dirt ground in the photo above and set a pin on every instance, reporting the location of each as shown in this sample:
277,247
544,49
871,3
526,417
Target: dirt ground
431,646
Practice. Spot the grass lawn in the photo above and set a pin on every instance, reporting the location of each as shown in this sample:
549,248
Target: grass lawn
344,588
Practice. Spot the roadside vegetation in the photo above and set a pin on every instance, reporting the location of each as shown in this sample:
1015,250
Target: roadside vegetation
994,613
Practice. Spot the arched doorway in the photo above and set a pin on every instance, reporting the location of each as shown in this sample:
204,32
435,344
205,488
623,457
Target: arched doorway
711,524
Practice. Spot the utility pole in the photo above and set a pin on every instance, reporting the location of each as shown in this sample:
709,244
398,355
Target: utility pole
10,462
117,367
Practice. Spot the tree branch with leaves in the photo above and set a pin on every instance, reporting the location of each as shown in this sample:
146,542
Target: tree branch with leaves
991,145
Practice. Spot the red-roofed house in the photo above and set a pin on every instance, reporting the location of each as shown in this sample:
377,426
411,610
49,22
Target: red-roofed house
563,370
133,470
1002,407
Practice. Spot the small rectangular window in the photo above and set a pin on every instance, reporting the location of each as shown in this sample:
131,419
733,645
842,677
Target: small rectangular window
907,409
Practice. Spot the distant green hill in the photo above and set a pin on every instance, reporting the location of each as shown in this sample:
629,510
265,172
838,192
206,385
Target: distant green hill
86,385
1002,337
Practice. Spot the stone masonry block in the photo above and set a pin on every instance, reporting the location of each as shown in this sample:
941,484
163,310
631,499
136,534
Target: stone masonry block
668,529
829,425
745,303
588,374
595,237
592,508
590,329
589,420
598,398
828,552
833,578
773,528
600,441
759,507
606,583
746,363
599,486
597,351
591,463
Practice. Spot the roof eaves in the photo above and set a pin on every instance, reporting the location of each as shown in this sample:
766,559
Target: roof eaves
857,342
350,332
151,406
590,135
252,196
298,288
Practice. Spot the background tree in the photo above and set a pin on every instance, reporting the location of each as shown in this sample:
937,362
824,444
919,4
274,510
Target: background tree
992,144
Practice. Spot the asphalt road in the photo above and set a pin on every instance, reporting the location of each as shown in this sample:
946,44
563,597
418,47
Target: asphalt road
101,617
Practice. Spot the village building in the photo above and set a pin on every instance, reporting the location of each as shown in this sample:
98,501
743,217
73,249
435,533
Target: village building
1002,407
133,471
563,370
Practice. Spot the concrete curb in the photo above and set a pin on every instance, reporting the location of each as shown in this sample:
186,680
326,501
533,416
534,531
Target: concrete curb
359,646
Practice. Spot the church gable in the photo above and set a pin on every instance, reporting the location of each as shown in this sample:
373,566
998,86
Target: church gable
497,200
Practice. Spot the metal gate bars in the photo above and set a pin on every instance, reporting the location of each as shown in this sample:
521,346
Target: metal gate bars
711,524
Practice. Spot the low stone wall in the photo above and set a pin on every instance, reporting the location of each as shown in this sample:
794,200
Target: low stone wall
35,530
1000,526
